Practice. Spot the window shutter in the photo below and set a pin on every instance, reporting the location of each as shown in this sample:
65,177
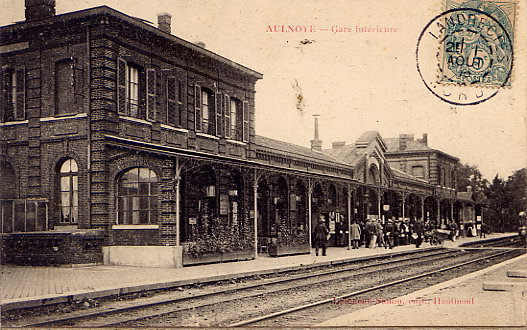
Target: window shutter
245,121
173,117
20,111
121,86
180,107
7,104
151,94
197,108
78,78
227,112
219,118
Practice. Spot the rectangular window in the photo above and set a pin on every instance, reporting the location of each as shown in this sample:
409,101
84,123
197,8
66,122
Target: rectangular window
204,111
227,112
234,118
14,95
132,90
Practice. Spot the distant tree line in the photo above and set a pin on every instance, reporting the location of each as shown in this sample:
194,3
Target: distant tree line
504,198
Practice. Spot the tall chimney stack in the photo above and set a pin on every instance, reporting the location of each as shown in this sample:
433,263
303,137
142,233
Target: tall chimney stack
402,142
37,9
316,144
164,21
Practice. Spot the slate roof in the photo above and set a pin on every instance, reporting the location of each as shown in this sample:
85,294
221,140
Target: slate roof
293,150
349,154
392,144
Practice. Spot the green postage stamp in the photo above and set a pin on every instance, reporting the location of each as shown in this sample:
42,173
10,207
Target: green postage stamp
476,47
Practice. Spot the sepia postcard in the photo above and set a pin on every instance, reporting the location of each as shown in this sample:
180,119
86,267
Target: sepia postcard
263,163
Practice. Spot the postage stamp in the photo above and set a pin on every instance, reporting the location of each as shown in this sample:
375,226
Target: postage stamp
465,54
477,43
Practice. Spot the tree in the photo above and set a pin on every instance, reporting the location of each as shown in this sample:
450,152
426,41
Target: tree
498,204
470,176
516,188
505,200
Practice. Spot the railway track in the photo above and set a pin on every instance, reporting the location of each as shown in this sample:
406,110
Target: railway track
78,316
263,320
180,308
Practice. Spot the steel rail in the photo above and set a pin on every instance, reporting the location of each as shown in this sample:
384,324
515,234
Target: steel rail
356,293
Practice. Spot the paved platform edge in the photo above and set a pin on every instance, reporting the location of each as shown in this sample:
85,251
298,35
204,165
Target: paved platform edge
37,301
431,289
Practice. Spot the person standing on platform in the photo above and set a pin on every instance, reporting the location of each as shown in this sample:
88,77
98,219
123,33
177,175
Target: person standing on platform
380,234
321,237
419,230
355,233
367,233
388,233
372,230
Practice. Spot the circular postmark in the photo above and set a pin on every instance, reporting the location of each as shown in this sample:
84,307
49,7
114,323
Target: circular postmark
465,56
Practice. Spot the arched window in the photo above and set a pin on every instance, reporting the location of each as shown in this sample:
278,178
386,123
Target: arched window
137,191
69,191
373,175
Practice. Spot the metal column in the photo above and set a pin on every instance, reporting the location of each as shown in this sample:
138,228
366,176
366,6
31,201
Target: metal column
255,224
349,216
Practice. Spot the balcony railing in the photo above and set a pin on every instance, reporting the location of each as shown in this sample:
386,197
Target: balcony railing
23,215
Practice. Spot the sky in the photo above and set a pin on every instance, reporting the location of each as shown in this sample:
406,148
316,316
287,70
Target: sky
355,81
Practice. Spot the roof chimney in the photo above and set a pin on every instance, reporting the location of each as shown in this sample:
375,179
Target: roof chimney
200,44
316,143
338,144
402,141
424,139
163,22
36,9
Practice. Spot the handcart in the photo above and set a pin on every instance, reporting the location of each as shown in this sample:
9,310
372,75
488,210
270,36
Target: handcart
437,236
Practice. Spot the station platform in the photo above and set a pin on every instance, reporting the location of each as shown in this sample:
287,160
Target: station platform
492,297
31,286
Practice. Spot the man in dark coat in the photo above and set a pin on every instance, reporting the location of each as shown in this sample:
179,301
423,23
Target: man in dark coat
321,237
419,230
388,233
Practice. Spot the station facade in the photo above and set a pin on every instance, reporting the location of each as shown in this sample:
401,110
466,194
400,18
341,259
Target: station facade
124,144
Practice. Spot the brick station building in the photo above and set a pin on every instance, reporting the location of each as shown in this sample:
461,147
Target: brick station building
124,144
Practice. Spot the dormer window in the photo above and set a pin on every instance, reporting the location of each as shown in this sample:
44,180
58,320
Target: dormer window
418,171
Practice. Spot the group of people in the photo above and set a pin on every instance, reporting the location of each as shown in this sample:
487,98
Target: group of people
374,233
